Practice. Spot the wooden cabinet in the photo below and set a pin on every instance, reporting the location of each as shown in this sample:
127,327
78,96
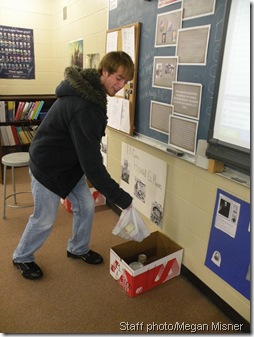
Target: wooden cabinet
23,123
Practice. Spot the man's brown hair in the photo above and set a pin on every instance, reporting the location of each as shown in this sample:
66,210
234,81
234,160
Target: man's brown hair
115,59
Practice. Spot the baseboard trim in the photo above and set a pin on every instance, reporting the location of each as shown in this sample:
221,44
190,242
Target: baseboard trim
233,315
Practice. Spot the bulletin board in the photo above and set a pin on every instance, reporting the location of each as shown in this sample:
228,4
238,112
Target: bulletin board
128,95
228,253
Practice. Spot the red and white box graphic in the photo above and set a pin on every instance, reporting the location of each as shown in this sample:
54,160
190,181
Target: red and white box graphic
99,200
164,263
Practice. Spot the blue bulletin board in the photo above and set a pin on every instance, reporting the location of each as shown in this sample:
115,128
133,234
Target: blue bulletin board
228,253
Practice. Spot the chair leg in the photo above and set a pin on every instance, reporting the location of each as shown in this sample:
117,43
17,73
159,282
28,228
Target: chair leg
4,194
14,185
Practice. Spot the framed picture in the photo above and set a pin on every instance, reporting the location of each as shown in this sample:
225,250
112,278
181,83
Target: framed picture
159,116
167,26
164,71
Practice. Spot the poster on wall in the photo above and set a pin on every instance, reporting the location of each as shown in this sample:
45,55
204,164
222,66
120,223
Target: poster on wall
16,53
228,253
144,177
76,53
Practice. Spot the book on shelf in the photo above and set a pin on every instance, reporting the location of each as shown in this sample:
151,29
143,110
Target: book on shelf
26,109
15,135
32,112
10,113
22,135
10,136
19,110
4,136
2,111
37,112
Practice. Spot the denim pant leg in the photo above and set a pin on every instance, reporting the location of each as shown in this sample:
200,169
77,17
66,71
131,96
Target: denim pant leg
40,223
83,210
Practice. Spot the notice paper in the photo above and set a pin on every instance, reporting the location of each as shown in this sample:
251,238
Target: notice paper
119,114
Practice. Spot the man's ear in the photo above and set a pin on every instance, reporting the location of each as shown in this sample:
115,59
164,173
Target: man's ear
104,72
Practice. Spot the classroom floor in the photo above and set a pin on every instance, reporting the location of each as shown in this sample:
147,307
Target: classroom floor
74,297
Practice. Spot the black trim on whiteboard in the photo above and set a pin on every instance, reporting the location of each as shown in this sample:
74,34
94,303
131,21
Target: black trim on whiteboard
234,156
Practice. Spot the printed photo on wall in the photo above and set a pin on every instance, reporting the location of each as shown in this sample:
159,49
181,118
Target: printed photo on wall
17,53
76,53
164,71
92,60
227,215
167,26
157,214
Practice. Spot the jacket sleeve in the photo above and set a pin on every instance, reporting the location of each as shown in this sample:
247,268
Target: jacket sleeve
86,129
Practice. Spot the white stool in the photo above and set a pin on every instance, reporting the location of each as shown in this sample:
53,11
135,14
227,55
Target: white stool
17,159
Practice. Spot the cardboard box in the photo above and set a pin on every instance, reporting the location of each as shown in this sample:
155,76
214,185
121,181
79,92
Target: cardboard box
164,258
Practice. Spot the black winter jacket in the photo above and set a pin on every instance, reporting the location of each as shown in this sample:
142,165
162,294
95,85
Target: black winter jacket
67,143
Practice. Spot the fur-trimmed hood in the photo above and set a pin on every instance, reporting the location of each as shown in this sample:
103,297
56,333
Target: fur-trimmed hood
86,83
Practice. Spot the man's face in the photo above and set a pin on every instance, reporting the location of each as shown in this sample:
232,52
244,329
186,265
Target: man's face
114,82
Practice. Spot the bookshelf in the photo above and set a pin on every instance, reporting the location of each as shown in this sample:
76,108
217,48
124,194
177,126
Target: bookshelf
23,124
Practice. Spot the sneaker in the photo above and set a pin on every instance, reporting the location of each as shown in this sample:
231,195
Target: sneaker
90,257
29,270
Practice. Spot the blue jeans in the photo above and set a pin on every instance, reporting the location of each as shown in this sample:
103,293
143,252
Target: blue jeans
40,223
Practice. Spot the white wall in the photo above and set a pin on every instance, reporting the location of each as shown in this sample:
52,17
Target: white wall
36,15
190,191
85,19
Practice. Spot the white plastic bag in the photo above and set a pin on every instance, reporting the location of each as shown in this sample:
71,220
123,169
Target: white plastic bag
131,226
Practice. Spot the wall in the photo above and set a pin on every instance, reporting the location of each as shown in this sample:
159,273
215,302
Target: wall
85,19
188,211
36,15
190,191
